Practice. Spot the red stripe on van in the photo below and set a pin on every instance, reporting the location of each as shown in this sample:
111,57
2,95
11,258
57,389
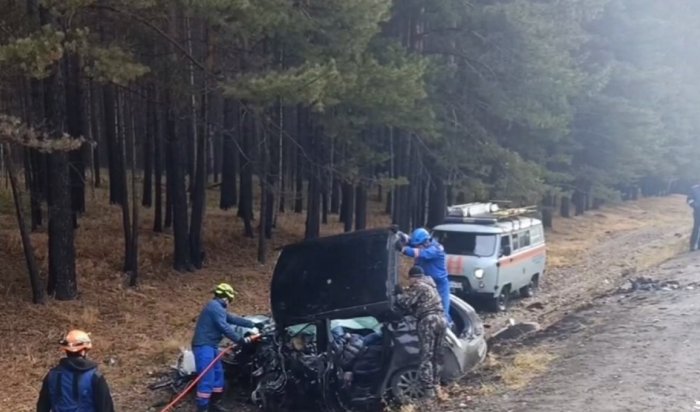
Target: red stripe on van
455,265
519,257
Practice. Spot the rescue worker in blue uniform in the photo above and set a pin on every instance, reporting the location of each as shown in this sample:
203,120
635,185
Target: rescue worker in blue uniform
694,202
429,255
213,325
75,385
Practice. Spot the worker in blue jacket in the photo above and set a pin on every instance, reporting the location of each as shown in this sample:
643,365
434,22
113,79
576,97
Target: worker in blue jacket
213,324
75,384
430,256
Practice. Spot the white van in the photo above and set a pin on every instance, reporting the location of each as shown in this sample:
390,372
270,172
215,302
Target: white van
492,253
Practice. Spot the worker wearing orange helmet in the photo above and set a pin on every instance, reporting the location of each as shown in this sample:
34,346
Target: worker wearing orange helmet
75,385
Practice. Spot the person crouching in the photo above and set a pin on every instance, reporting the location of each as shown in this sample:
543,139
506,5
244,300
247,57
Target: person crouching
422,300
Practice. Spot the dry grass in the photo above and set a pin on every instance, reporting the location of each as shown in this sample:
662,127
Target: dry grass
524,367
137,331
570,236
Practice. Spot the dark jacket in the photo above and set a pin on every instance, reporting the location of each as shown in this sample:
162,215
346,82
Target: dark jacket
215,322
421,298
102,397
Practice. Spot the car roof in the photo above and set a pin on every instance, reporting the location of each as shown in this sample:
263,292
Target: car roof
490,229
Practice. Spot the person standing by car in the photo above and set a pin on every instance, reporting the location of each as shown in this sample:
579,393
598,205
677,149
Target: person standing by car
75,384
213,324
430,256
694,202
422,301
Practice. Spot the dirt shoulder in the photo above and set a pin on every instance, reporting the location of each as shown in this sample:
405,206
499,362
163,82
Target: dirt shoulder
590,255
630,351
137,332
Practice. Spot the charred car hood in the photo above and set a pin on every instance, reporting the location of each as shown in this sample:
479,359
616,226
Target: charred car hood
337,277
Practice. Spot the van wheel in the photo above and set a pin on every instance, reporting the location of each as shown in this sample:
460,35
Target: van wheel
531,289
500,303
406,386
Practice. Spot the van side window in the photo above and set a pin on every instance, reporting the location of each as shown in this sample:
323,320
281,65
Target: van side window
516,243
536,235
505,242
525,239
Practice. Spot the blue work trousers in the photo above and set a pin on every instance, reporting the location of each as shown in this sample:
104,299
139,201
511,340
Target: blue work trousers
213,381
443,288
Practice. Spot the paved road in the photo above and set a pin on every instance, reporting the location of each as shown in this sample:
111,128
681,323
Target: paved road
629,352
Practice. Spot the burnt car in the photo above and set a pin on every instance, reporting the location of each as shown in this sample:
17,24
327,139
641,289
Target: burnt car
335,340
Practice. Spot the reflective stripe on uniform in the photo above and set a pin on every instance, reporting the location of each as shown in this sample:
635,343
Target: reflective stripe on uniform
203,395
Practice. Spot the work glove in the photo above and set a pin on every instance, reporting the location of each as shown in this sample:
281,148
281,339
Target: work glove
249,340
398,245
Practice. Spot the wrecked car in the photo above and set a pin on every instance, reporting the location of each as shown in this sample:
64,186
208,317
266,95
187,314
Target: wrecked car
335,340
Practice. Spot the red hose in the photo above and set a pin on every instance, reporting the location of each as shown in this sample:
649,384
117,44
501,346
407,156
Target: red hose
199,377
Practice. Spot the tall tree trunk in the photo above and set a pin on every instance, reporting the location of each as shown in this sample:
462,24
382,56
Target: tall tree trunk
37,177
335,196
29,256
437,203
168,219
229,189
325,201
126,216
62,280
245,200
74,112
216,121
360,207
96,123
347,206
265,204
157,118
192,144
200,185
313,208
116,192
389,202
134,256
299,176
565,209
402,212
148,146
178,167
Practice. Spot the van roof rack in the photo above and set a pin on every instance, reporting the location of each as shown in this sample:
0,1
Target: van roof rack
486,213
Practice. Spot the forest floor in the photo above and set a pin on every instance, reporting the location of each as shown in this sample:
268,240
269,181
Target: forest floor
138,332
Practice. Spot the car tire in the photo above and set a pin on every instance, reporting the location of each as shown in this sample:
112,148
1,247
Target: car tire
406,386
500,302
531,289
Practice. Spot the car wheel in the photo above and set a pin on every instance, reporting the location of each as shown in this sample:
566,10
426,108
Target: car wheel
531,289
406,386
500,302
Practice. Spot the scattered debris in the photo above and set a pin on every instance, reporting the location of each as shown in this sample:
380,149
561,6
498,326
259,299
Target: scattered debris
515,331
535,306
648,284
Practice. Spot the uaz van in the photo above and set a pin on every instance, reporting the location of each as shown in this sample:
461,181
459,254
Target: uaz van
492,253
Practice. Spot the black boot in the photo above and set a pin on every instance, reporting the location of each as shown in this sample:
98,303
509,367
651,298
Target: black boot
215,402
